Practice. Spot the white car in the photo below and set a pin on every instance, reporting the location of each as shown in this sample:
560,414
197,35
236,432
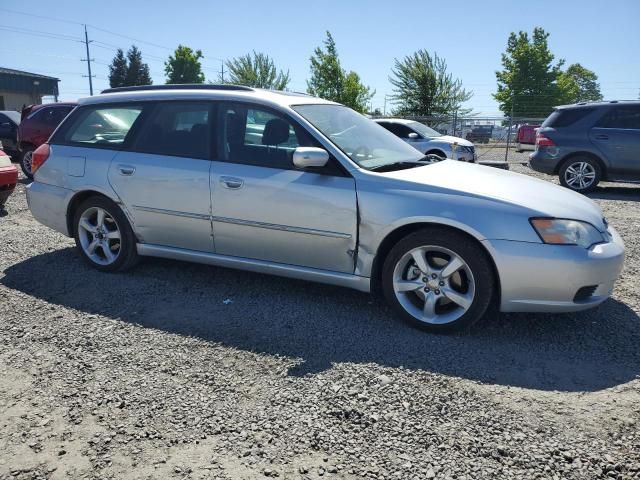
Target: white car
429,141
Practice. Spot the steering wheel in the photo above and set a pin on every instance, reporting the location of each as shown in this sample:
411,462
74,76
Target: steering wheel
362,150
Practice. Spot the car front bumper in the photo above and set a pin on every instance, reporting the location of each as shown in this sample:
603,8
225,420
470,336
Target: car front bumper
537,277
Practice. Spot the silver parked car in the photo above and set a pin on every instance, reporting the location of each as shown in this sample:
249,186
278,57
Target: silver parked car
296,186
429,141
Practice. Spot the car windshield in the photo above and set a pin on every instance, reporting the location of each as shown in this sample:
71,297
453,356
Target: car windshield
364,141
423,130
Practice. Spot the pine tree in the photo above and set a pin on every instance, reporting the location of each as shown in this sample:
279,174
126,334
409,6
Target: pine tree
138,71
118,70
331,82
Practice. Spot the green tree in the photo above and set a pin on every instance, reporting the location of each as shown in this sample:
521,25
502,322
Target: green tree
579,84
118,70
184,66
331,82
424,87
529,78
137,71
257,70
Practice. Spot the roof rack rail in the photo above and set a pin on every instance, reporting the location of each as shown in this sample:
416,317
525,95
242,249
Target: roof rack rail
178,86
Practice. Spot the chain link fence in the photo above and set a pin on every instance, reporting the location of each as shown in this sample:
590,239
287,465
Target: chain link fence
495,138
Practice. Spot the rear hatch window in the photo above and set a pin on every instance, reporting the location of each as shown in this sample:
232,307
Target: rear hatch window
566,117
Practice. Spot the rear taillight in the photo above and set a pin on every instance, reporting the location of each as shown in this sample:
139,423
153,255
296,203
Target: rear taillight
542,141
40,155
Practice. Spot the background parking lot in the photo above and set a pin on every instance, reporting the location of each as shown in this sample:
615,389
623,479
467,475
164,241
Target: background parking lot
177,370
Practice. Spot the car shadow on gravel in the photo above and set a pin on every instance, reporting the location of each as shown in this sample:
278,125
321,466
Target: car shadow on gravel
323,325
627,194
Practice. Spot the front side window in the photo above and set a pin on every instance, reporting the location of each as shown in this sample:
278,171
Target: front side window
621,117
364,141
179,129
255,136
423,130
98,125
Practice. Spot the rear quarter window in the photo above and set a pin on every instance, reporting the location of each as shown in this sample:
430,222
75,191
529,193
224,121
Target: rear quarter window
100,125
566,117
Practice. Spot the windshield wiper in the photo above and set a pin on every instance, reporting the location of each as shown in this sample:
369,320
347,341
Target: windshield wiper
403,165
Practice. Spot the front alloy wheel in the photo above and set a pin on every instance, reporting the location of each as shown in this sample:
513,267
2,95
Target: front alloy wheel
434,284
438,279
26,163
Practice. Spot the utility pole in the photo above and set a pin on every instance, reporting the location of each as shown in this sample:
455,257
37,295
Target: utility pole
222,71
506,151
88,60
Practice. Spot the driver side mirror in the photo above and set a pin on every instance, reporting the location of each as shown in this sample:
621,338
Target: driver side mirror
413,136
306,157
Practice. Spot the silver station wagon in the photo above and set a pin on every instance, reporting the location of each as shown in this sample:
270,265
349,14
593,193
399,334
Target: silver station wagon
296,186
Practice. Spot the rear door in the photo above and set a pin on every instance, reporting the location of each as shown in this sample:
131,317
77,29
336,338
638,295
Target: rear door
266,209
617,136
163,178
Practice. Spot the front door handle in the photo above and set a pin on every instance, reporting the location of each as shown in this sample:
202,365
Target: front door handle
232,182
126,170
602,136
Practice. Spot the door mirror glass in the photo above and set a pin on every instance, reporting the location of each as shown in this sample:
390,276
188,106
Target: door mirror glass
413,136
306,157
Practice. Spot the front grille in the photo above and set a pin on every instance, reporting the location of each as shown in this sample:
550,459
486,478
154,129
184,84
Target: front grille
584,293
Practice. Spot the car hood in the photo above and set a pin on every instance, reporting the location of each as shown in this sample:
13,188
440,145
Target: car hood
539,197
449,139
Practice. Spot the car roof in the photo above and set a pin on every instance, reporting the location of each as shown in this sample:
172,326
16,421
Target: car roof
12,115
203,92
598,104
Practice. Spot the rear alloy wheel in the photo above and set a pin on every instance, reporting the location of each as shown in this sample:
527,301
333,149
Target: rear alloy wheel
25,162
438,280
103,235
581,174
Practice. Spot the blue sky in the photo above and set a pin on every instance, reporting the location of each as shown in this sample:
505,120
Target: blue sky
469,34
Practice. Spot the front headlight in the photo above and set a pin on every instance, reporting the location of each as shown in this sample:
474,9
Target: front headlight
558,231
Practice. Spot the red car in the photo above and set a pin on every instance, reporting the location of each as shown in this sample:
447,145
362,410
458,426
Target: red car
37,125
8,178
527,137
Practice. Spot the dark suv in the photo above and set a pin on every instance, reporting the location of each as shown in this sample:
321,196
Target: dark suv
589,142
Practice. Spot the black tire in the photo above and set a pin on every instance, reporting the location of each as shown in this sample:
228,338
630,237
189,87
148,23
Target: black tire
437,153
26,155
128,255
594,165
468,250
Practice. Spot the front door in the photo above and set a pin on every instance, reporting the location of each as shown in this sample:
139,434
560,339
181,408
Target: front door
264,208
163,178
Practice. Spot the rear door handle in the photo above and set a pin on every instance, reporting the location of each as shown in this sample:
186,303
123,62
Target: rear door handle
232,182
602,136
126,169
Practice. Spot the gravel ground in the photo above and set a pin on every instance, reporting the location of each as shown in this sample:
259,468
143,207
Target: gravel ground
182,371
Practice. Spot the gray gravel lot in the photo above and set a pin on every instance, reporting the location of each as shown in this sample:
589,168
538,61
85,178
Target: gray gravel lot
184,371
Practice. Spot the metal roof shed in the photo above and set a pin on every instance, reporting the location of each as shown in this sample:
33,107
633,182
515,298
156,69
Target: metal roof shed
19,88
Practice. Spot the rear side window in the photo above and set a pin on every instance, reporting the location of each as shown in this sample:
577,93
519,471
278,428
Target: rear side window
566,117
627,117
106,126
181,129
